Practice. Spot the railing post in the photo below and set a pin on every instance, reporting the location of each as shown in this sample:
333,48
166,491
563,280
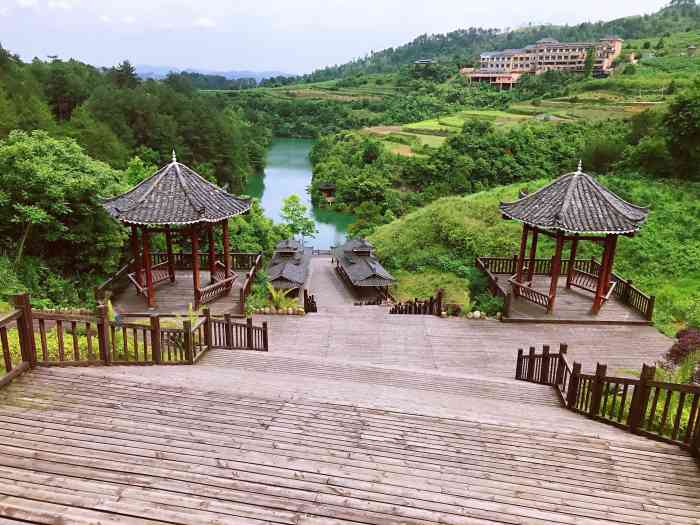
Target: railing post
597,389
531,364
266,344
155,339
228,331
189,354
560,364
572,392
208,332
650,308
544,369
103,334
695,440
440,294
639,398
519,365
25,327
249,333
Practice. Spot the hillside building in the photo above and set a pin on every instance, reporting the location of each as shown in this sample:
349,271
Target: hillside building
505,68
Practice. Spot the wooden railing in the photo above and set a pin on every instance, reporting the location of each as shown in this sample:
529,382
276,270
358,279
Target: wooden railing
31,337
310,306
663,411
585,276
530,294
239,336
249,278
430,306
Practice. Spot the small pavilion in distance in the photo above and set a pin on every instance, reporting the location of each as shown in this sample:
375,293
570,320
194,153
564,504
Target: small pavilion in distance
180,204
572,209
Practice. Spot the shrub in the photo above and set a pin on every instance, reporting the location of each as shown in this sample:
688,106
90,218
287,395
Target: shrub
688,342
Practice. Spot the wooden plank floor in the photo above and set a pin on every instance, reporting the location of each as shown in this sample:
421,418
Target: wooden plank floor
572,305
176,297
75,448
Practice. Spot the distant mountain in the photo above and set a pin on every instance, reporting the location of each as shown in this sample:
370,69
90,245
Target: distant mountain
159,72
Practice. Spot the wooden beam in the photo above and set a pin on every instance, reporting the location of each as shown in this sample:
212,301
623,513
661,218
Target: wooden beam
150,292
227,249
195,266
572,262
135,253
556,270
211,256
602,275
169,249
533,254
521,254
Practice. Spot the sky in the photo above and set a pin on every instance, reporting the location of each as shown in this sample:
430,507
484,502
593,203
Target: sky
292,36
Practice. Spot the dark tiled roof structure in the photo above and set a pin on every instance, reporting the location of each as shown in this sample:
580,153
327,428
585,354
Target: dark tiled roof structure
175,194
360,265
577,203
289,266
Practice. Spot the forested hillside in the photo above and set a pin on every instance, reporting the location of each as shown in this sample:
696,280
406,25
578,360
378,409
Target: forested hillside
464,45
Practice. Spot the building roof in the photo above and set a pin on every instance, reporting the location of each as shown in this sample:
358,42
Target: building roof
289,266
577,203
360,264
175,194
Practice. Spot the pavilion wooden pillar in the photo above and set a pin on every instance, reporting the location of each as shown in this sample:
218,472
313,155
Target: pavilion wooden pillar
136,254
227,249
195,265
150,292
556,270
605,272
211,257
533,254
169,248
521,258
572,262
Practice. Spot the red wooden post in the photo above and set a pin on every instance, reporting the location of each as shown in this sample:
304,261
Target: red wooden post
25,328
150,293
521,256
136,266
227,249
169,248
195,265
572,262
155,339
640,398
601,286
212,252
556,270
597,389
533,254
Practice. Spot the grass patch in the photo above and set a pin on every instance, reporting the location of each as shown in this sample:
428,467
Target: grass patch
424,284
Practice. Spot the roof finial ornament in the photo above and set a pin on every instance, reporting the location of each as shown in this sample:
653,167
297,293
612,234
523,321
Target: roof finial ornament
174,156
580,168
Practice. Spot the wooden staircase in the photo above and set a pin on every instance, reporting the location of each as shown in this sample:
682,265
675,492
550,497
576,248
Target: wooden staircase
112,446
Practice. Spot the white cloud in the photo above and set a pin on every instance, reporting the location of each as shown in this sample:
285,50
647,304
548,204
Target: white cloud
105,19
60,4
129,20
4,11
205,22
27,3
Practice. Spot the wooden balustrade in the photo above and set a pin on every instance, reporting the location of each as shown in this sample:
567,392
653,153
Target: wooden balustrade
34,337
430,306
667,412
530,294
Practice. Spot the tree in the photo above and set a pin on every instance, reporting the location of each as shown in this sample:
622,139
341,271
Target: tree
124,75
50,203
682,124
589,63
294,213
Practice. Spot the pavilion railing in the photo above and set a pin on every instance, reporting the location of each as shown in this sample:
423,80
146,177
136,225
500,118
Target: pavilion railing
668,412
585,272
30,337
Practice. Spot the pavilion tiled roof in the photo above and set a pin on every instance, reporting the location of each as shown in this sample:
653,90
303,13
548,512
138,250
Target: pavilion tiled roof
290,264
577,203
174,195
360,265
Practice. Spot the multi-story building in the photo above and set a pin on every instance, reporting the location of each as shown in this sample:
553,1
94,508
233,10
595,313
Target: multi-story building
504,68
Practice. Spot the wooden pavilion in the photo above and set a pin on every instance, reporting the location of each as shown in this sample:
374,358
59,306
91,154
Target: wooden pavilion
573,208
178,203
290,265
357,265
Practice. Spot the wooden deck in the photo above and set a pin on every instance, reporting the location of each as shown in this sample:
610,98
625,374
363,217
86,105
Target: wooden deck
79,449
572,306
176,297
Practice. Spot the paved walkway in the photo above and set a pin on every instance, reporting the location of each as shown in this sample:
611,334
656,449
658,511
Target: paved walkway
329,289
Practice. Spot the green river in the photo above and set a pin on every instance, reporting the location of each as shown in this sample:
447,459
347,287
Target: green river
288,171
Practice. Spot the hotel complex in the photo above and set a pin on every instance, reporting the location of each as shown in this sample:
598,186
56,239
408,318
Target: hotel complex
504,68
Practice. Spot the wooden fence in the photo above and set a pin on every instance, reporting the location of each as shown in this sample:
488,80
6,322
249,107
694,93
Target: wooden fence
585,275
310,305
667,412
430,306
31,338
